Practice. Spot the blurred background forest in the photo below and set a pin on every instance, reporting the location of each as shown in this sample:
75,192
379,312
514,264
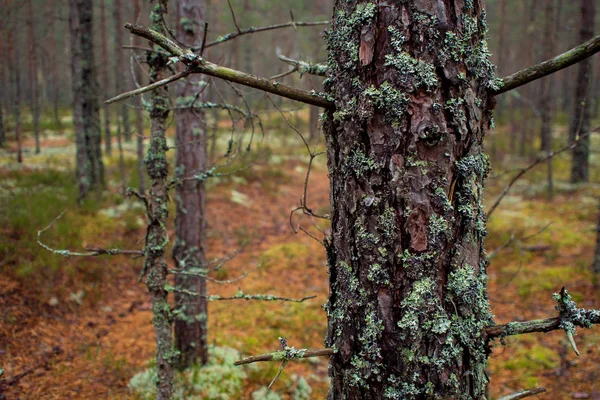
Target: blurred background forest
81,327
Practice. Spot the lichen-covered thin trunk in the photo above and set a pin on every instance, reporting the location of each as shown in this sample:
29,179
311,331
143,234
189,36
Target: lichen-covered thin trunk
157,237
190,221
407,268
580,117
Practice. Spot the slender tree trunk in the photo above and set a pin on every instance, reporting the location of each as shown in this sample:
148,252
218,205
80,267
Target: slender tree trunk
407,269
54,88
121,158
13,47
546,100
157,236
139,116
86,117
580,118
596,261
33,77
190,221
121,70
105,79
4,96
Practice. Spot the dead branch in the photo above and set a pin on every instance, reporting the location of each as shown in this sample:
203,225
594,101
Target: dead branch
281,355
92,252
530,167
250,30
150,87
198,64
523,394
548,67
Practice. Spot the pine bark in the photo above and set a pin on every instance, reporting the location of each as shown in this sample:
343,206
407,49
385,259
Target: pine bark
190,221
105,80
546,101
407,268
580,118
157,237
33,77
86,115
121,69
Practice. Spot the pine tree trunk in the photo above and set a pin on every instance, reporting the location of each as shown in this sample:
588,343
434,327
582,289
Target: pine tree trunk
52,59
407,269
33,78
546,93
86,116
105,79
190,221
580,118
13,47
121,69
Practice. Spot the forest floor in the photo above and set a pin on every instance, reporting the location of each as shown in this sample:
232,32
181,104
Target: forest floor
81,327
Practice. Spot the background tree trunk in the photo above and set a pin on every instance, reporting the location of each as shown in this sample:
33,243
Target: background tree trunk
13,47
407,270
546,101
121,70
580,118
190,221
86,117
33,77
105,79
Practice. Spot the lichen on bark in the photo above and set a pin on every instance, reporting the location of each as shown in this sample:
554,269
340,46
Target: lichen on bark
407,268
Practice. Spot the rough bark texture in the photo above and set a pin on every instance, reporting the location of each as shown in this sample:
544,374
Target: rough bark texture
86,115
546,92
121,69
157,237
407,270
190,221
105,79
580,118
33,77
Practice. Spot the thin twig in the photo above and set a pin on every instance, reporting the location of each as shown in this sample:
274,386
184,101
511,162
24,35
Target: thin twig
150,87
250,30
233,16
91,253
529,168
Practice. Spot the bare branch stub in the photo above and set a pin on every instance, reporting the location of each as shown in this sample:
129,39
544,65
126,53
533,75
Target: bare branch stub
524,394
290,354
548,67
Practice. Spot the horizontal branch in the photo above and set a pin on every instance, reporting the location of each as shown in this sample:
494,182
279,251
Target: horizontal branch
250,30
548,67
569,318
92,252
199,65
287,355
524,394
304,67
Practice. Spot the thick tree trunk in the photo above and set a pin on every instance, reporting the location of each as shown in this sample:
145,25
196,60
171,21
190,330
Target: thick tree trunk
105,80
190,221
407,269
596,261
86,116
157,237
546,100
121,70
33,78
580,118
